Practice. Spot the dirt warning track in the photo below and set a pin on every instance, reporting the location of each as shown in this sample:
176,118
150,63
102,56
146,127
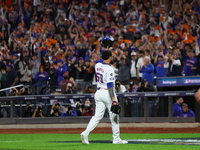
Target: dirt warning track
101,130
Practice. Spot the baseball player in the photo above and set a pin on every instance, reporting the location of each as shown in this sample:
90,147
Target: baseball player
105,97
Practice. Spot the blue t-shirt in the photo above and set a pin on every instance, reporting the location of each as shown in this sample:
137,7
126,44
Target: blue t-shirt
160,70
177,110
39,79
10,77
59,73
189,113
188,64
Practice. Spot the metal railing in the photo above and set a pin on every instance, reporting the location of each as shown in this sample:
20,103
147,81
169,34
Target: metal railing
125,99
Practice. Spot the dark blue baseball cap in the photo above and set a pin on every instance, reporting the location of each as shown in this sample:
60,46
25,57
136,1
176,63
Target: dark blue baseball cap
60,60
9,65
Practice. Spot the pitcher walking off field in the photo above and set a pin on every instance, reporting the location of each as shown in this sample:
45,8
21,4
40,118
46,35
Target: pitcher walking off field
105,97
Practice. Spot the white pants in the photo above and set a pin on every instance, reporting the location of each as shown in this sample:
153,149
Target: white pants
103,101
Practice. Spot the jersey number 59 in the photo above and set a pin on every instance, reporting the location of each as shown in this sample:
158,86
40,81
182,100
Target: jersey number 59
99,77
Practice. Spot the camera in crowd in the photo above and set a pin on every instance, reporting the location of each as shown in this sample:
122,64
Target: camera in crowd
13,92
143,82
43,90
39,109
131,84
69,89
55,109
89,89
24,90
69,110
29,108
144,86
117,84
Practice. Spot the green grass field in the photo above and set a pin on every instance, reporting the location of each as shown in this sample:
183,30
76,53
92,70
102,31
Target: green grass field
73,142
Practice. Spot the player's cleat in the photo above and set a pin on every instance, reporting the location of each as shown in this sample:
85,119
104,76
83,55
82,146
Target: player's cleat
84,139
119,141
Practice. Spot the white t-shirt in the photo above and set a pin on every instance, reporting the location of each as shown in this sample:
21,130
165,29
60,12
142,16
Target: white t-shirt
122,89
140,63
104,74
133,69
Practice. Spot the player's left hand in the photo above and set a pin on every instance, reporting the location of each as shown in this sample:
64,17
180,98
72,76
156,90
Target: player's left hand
115,108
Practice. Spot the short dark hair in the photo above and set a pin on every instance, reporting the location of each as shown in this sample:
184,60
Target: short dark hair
189,45
177,98
148,51
106,54
141,52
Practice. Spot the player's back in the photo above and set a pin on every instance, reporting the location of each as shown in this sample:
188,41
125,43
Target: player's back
104,74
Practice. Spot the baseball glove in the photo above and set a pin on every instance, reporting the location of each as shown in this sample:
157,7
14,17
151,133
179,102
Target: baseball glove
115,108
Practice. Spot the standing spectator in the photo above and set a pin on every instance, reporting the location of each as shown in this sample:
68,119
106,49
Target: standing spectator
186,111
79,74
140,63
147,70
3,79
124,71
45,62
173,63
35,65
71,67
18,65
88,71
190,63
114,66
11,76
159,63
60,70
6,27
64,82
133,70
26,75
52,79
177,111
41,79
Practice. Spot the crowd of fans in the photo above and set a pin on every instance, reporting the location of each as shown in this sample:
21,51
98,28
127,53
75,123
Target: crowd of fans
55,44
43,40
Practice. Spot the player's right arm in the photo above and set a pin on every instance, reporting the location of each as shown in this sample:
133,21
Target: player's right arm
111,92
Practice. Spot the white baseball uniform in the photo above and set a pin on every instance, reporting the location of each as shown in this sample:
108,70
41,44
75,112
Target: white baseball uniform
105,74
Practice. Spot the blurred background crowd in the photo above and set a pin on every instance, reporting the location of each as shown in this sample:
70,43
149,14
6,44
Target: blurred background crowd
52,46
55,44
